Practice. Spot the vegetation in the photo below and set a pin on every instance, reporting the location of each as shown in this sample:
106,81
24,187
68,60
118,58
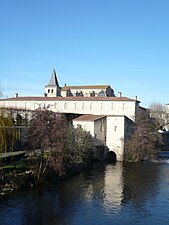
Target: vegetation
1,94
56,143
56,146
8,134
145,140
78,145
46,133
158,112
57,149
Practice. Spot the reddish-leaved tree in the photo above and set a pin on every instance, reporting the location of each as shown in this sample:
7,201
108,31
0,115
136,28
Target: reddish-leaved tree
46,134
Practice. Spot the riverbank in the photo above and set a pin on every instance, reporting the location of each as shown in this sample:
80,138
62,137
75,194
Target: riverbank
22,175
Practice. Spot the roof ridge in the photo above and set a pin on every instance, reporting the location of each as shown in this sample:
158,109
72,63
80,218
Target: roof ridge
79,98
84,86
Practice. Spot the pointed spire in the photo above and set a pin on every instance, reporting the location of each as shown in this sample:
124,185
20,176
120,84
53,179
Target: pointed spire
53,80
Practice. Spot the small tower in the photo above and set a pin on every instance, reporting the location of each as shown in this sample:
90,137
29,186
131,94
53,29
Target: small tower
52,89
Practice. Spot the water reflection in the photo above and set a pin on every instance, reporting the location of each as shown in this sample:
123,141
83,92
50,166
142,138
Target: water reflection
121,193
140,182
113,187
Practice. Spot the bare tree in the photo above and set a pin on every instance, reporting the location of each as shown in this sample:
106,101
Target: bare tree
1,93
145,141
46,133
158,112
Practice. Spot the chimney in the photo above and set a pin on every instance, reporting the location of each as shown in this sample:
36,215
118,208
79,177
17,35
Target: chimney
119,94
136,98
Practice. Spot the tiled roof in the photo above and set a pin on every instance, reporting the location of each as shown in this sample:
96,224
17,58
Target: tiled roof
88,118
53,80
142,108
79,98
85,87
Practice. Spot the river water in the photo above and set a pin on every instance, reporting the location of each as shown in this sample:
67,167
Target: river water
104,194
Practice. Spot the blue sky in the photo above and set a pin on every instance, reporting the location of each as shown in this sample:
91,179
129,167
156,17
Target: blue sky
124,43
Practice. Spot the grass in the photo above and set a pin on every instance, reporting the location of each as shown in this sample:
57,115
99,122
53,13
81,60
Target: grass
11,154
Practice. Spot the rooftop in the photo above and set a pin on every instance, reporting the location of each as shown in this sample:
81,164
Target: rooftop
86,87
79,98
53,80
88,118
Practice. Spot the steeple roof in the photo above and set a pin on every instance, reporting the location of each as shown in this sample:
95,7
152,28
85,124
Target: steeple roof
53,79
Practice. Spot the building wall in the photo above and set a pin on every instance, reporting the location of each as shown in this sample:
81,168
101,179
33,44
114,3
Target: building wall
52,91
86,125
66,93
100,127
115,135
110,107
111,131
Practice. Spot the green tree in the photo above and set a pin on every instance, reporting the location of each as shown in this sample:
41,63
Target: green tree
7,131
145,140
78,145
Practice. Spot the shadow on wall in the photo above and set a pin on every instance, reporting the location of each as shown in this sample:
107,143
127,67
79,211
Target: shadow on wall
102,152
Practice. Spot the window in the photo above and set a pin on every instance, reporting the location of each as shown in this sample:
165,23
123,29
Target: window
115,128
48,90
102,106
56,105
123,106
92,94
65,105
52,91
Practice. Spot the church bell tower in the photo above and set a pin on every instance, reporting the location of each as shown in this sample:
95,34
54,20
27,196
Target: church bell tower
52,89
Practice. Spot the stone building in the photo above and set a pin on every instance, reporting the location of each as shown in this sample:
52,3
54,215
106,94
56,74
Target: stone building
108,118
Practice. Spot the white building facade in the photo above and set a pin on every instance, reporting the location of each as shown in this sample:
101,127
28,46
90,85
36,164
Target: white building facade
111,115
